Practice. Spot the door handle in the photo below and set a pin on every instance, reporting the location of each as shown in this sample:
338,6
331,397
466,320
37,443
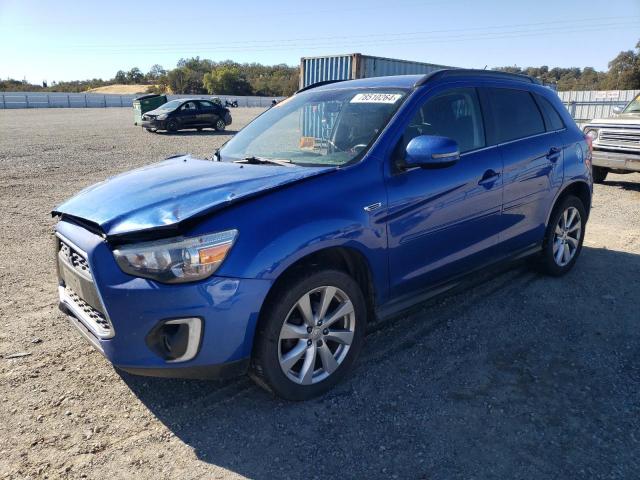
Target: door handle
554,154
489,177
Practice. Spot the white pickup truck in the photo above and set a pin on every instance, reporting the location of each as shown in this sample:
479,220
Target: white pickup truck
616,141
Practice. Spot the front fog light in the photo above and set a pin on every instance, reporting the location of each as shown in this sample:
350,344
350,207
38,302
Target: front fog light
176,340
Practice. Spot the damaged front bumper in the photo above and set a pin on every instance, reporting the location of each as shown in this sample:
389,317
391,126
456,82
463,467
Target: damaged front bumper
124,316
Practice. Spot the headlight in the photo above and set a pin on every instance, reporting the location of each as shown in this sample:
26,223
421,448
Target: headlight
592,133
176,260
162,117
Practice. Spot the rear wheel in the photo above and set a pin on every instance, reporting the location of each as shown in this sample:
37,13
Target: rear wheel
311,334
599,174
563,240
220,125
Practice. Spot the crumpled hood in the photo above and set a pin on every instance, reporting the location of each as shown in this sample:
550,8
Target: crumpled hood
164,194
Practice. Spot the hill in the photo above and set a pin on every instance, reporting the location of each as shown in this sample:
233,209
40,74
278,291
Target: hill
120,89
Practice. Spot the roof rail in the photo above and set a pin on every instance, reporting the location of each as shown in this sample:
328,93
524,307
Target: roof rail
460,72
318,84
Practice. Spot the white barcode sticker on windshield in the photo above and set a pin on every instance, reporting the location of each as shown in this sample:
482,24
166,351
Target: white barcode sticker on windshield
376,98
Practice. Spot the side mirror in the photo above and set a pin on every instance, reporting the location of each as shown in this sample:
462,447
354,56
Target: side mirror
429,151
617,110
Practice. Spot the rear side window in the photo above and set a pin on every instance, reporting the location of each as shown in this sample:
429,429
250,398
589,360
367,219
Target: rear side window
454,114
551,116
204,104
515,113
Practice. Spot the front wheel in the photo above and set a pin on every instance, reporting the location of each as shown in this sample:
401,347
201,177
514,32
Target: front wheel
172,126
564,236
310,336
599,174
220,125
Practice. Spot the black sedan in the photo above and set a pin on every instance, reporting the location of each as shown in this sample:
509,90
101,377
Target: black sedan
187,113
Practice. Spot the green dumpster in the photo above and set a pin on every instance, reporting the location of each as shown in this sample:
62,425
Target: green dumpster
146,103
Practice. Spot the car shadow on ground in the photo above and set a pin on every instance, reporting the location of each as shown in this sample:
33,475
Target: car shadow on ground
189,133
514,376
631,186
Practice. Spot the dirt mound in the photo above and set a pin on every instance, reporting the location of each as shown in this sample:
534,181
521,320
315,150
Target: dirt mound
121,89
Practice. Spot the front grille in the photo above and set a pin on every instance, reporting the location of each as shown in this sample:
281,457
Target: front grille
88,313
620,137
77,261
78,291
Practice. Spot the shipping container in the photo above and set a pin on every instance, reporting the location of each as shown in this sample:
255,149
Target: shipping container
355,65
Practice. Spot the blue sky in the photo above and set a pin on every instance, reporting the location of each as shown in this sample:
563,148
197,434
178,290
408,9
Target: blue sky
67,40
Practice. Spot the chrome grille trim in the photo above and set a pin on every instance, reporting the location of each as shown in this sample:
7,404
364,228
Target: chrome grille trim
75,260
94,320
628,138
97,322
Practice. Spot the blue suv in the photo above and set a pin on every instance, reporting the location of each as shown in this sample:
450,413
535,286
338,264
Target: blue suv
346,202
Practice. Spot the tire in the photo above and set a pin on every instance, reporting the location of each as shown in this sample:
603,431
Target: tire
558,238
304,359
220,125
172,126
599,174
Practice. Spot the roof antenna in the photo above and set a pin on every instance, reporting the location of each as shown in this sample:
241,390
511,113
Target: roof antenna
485,67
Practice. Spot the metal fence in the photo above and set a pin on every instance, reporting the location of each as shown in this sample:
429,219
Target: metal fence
583,105
589,104
99,100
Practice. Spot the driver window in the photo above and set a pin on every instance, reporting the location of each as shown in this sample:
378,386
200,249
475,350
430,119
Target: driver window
454,114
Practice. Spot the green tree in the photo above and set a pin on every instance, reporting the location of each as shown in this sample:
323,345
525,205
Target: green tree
121,77
155,73
624,71
135,76
226,80
185,80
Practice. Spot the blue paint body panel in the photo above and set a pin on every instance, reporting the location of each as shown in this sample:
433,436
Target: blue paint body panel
432,224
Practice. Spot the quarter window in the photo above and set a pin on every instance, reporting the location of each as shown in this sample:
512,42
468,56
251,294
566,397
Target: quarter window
551,115
516,114
454,114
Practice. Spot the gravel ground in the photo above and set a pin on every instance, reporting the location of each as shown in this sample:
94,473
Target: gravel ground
514,376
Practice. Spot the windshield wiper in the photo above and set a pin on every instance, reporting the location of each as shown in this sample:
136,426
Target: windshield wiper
262,160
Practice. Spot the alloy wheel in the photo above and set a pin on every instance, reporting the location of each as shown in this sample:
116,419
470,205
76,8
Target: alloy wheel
566,238
316,335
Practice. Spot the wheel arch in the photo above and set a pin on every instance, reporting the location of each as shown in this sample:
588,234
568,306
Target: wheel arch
343,258
578,189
